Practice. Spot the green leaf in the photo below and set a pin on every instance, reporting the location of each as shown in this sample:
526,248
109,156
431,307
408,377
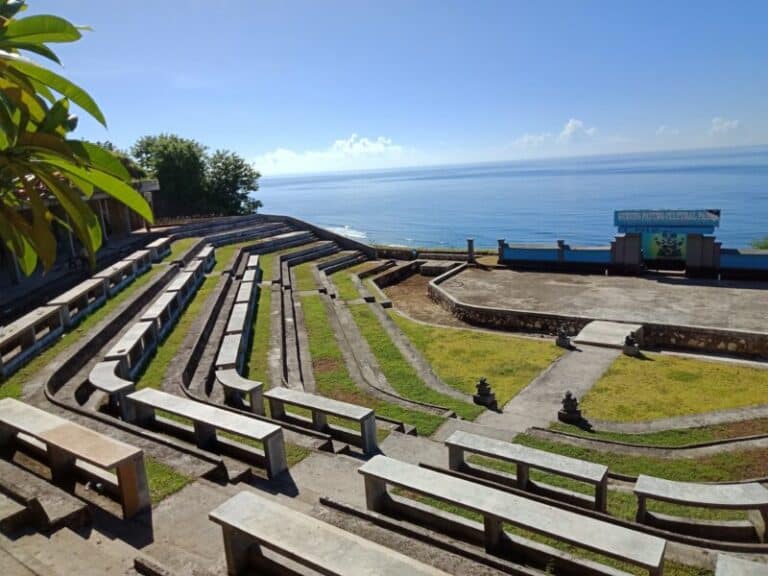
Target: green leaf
40,28
100,158
56,82
40,49
16,232
42,236
55,117
115,187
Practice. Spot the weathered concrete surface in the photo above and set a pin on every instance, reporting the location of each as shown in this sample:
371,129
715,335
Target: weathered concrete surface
604,333
657,299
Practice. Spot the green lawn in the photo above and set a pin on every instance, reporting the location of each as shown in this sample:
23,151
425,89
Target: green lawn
663,386
720,467
303,276
345,287
333,380
155,372
676,437
182,245
163,480
460,357
399,373
256,363
670,568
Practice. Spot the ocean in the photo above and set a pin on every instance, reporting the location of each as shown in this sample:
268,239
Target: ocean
532,201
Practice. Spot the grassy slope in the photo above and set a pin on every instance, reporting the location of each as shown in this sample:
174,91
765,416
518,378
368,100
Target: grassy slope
342,279
333,379
398,371
672,386
461,357
12,387
676,437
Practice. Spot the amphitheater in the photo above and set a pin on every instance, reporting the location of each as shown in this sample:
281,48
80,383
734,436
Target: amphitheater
257,395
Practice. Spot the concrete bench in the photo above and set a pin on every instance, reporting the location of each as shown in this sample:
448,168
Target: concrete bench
197,269
252,523
525,458
322,407
104,377
163,312
749,496
498,508
246,293
208,255
23,338
239,319
118,275
208,419
68,445
134,348
81,300
236,388
143,260
733,566
231,353
185,284
253,262
249,276
159,248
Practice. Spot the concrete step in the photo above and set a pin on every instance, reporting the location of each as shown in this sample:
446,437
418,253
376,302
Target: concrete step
604,333
66,552
344,259
49,506
12,514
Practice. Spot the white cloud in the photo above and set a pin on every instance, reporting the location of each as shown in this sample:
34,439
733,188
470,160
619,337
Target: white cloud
576,130
353,153
723,125
532,140
665,130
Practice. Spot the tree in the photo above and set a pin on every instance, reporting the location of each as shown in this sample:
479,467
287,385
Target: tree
38,163
761,244
179,164
193,182
230,178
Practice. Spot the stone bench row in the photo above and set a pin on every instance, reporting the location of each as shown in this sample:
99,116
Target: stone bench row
160,248
70,449
208,255
251,233
27,336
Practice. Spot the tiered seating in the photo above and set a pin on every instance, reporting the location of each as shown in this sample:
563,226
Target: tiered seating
28,335
208,419
80,300
197,268
249,233
745,496
134,349
498,508
251,523
159,248
525,458
69,446
143,260
118,276
321,407
185,284
163,312
208,255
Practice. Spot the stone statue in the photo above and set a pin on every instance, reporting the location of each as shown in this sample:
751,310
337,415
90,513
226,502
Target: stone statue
485,396
569,413
563,340
631,347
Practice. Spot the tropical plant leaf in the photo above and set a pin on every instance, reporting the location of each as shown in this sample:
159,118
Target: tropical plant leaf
56,82
16,232
100,158
39,49
40,28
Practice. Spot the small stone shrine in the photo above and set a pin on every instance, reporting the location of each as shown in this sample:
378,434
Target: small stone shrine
631,347
569,413
485,396
563,340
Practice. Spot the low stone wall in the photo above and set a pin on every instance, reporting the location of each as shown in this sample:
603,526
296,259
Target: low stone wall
398,274
705,339
323,234
753,345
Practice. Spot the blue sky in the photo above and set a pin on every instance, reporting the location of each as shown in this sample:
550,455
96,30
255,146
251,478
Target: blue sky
308,86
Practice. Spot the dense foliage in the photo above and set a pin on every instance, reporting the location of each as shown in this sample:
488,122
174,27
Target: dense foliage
761,244
39,165
193,182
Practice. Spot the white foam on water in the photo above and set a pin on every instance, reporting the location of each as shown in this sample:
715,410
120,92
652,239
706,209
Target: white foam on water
348,232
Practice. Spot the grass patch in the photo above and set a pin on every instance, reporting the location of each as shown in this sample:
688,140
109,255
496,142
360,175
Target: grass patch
182,245
303,276
332,378
663,386
163,480
154,374
720,467
345,285
256,363
670,568
399,373
13,386
460,357
681,437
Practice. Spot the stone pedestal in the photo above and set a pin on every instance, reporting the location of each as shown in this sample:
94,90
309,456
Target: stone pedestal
471,250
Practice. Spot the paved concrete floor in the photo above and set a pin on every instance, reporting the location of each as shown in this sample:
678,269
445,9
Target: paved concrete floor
664,299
